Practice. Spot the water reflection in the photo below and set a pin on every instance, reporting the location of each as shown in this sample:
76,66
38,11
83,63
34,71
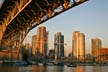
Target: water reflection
58,69
9,69
90,69
54,69
38,69
97,69
79,69
35,68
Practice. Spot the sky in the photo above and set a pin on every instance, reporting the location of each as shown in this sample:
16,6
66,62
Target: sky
90,18
1,1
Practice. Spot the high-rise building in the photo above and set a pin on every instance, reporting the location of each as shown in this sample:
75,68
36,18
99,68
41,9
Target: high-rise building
34,44
42,40
59,45
51,54
96,45
27,46
103,55
78,46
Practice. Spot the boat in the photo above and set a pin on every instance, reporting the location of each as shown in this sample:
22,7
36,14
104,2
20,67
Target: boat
71,65
50,64
40,64
1,62
33,63
21,63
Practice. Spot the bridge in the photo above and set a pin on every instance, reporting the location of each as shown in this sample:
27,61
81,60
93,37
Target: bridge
18,17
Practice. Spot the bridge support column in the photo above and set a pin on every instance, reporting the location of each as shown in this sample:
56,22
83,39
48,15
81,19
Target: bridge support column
2,29
1,34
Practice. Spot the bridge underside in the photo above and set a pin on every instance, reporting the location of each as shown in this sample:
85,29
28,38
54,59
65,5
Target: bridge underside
18,17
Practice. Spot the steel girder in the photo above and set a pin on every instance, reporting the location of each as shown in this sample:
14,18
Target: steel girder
9,11
24,16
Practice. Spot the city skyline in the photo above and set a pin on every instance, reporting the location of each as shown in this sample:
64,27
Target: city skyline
52,42
53,35
89,18
76,35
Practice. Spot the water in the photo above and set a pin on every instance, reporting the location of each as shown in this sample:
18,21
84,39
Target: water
35,68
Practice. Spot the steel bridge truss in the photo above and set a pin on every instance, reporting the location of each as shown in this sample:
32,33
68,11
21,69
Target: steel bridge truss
18,17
